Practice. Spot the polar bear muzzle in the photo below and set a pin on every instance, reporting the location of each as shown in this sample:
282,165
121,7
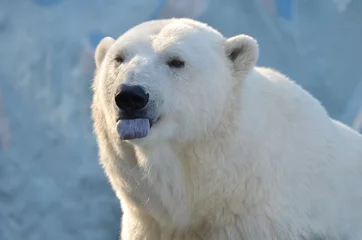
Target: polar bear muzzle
133,122
131,98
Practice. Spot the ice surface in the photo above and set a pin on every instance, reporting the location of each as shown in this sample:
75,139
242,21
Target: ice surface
51,185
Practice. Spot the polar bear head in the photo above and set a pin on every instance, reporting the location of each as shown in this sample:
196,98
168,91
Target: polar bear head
179,74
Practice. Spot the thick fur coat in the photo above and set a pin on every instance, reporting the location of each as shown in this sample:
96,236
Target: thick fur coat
235,151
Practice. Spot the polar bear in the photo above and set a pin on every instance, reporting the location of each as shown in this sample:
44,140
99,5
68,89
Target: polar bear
200,143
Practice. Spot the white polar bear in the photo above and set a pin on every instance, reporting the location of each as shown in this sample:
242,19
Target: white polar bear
234,151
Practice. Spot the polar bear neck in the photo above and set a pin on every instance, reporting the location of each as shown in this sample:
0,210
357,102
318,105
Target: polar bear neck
169,181
178,168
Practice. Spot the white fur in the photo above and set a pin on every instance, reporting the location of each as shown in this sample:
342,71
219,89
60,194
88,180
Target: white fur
239,152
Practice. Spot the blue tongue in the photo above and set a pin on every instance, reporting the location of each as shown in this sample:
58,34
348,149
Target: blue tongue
133,128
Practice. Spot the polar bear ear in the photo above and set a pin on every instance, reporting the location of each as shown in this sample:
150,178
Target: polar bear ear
243,51
102,49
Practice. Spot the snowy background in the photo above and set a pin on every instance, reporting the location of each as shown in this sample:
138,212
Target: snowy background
51,185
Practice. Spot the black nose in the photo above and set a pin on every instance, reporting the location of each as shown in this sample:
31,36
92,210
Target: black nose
130,98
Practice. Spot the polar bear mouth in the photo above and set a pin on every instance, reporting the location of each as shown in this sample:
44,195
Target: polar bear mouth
129,129
134,128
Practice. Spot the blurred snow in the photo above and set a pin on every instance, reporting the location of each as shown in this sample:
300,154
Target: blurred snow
184,8
342,4
357,123
4,129
51,185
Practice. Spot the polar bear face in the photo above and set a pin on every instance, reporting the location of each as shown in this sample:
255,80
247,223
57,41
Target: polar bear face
176,73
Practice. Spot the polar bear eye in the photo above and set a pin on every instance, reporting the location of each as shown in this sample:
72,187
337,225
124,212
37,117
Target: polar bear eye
176,63
119,59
